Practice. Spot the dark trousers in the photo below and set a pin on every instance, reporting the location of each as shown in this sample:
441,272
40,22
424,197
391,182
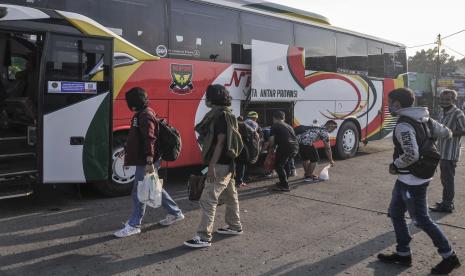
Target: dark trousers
413,199
290,166
447,179
282,164
240,172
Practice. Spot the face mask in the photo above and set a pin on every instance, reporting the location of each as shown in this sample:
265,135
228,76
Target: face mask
393,110
445,105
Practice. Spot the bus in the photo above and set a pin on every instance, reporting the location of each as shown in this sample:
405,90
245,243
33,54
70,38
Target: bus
86,54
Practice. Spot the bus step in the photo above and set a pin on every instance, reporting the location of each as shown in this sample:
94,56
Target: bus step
16,155
16,174
16,194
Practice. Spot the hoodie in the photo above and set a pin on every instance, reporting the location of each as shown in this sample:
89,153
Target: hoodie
405,135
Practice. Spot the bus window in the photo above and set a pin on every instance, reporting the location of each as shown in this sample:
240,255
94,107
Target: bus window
33,3
351,54
199,31
375,59
389,61
320,47
141,22
266,29
400,61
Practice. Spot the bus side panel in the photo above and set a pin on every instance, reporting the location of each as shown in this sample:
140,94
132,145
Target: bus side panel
175,89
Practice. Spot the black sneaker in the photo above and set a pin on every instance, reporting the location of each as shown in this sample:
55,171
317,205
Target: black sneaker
281,189
441,209
446,265
197,242
228,231
395,258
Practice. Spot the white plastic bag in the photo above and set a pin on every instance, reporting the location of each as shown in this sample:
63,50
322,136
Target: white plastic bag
324,174
150,189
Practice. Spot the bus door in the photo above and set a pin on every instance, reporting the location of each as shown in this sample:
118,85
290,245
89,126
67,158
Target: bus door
76,109
276,80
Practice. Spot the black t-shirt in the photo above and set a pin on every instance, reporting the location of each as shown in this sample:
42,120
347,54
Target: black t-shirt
221,128
284,136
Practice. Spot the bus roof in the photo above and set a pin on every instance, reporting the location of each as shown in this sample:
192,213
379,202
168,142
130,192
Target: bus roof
292,14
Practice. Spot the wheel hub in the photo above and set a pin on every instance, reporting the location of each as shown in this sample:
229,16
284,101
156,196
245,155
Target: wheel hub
121,174
348,140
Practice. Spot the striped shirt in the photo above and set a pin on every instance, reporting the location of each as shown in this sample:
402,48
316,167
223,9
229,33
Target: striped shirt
454,119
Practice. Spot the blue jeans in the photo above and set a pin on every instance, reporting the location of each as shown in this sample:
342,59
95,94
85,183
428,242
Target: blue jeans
138,208
413,199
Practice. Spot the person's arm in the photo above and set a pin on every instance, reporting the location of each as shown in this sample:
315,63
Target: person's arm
271,144
221,138
329,153
148,130
405,134
460,124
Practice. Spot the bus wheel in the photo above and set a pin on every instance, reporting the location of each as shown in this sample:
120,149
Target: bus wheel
122,177
347,140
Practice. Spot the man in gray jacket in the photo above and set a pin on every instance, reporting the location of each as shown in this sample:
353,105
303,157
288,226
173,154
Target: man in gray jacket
409,193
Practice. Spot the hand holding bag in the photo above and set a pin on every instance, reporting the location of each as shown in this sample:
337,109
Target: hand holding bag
149,191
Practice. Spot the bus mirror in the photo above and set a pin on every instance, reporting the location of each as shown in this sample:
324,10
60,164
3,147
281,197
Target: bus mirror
3,12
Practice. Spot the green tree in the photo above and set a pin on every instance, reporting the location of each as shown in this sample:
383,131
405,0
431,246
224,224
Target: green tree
425,61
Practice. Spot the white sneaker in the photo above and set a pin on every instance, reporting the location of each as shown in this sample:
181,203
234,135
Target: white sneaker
170,219
127,231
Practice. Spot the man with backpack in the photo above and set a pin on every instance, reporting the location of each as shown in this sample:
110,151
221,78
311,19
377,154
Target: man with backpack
249,154
452,117
415,160
221,144
142,151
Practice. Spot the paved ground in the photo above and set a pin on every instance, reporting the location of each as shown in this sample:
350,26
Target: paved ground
331,228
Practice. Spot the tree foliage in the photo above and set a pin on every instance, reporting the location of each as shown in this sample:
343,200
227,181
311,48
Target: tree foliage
426,61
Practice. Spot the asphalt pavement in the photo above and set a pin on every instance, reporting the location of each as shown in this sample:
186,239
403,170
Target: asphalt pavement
336,227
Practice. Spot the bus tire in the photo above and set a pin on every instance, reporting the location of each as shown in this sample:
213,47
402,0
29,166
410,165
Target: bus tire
121,179
347,141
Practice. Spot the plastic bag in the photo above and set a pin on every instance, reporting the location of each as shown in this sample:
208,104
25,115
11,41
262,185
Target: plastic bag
324,174
270,161
150,189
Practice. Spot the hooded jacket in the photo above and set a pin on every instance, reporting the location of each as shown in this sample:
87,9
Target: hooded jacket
405,135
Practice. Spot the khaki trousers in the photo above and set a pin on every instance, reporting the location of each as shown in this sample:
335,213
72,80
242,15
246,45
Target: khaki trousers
209,201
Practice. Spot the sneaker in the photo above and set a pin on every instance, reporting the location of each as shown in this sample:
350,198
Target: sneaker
441,209
446,265
170,219
395,258
242,185
269,175
281,189
228,231
309,179
127,231
197,242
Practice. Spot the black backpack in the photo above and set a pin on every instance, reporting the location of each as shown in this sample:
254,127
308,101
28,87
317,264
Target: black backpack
251,140
169,141
429,159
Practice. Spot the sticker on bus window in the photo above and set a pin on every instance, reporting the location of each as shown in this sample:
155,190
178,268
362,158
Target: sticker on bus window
68,87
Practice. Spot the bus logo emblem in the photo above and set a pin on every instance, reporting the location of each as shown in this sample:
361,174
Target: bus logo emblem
181,75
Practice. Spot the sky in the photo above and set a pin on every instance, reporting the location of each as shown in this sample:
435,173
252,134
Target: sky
410,22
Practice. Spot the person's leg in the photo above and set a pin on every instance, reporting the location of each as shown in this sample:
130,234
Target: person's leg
281,159
231,200
397,209
169,205
209,200
314,158
138,208
416,200
240,170
306,165
447,178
